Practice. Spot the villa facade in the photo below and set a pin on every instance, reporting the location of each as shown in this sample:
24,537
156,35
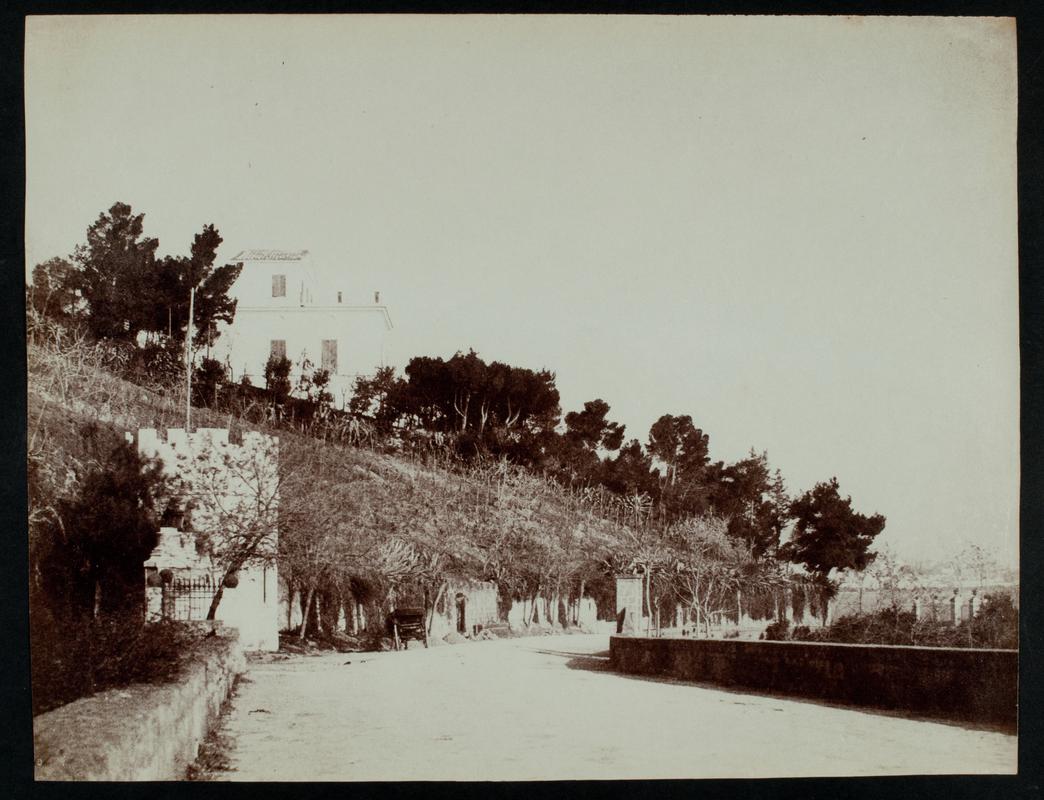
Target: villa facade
285,308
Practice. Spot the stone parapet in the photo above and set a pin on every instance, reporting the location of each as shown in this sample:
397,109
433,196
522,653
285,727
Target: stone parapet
142,732
973,685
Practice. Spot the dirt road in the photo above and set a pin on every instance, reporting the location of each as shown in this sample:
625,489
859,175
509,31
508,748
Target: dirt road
548,708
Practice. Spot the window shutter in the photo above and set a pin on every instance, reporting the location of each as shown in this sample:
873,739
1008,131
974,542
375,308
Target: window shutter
278,349
330,355
279,286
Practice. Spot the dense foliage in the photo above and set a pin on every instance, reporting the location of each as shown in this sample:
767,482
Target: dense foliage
995,626
73,659
117,286
88,548
828,534
94,518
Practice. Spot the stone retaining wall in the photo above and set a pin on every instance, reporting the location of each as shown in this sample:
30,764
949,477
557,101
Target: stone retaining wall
142,732
968,684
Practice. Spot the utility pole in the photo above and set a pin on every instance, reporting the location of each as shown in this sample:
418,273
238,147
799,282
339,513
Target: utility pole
188,363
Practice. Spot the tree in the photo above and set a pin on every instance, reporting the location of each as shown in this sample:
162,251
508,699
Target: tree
313,386
493,404
380,397
743,494
587,432
210,376
680,445
779,509
233,505
277,378
116,272
53,290
212,303
591,430
127,289
90,559
973,565
996,624
174,277
828,534
682,448
709,569
630,472
317,542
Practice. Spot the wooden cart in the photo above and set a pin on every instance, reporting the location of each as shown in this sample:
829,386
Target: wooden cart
405,624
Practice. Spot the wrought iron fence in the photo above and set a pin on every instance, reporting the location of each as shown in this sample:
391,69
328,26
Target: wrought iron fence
188,598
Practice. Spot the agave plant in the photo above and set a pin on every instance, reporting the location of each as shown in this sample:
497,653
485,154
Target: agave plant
637,506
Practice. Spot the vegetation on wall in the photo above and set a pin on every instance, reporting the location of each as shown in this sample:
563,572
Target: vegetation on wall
995,626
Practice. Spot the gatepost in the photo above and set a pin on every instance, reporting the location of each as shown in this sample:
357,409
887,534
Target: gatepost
628,603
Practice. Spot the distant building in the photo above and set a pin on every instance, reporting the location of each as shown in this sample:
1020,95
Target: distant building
284,309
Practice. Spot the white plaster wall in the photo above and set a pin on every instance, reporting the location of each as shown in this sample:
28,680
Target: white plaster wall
360,333
252,607
253,287
480,607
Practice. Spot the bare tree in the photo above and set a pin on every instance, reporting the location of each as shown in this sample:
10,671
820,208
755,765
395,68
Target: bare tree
709,568
232,495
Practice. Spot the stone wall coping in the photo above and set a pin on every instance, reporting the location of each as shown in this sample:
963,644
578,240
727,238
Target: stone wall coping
854,645
977,685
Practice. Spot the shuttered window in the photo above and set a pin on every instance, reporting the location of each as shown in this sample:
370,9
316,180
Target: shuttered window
278,348
330,355
279,286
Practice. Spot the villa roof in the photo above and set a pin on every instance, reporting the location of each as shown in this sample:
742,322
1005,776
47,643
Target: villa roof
270,255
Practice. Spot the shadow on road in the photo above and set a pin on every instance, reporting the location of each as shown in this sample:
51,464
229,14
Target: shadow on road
599,662
594,662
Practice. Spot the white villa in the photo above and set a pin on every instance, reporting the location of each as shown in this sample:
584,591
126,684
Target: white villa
285,309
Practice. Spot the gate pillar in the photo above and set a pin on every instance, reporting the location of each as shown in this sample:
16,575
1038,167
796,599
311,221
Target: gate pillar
628,604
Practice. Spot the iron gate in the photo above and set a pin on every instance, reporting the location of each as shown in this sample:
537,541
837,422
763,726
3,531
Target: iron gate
188,599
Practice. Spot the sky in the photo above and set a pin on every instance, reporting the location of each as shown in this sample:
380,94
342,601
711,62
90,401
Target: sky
801,231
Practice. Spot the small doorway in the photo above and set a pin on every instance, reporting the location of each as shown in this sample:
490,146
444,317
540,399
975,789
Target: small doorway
462,623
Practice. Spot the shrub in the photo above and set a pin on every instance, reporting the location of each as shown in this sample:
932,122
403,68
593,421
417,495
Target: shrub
777,631
277,378
887,626
73,658
802,633
996,624
208,378
156,364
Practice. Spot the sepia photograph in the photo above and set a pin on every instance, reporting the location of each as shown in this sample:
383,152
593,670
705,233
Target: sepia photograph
522,397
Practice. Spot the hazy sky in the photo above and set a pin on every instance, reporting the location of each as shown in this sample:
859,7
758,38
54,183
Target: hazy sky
800,231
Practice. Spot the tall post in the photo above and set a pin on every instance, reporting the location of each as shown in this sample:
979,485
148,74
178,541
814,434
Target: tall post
188,363
648,600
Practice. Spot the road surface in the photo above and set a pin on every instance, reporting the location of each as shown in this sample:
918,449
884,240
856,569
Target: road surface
549,708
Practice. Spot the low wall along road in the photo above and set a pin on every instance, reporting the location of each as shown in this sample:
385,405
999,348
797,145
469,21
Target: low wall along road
968,684
142,732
